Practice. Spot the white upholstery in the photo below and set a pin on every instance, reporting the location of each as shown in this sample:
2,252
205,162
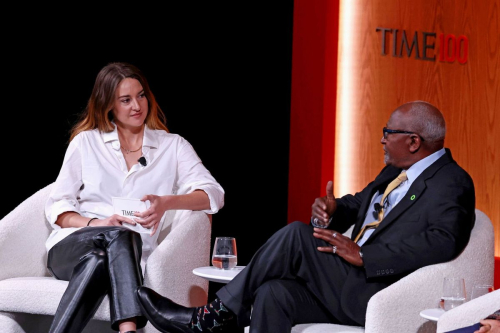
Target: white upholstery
29,295
396,308
469,313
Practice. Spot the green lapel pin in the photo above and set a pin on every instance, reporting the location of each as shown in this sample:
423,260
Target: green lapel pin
412,197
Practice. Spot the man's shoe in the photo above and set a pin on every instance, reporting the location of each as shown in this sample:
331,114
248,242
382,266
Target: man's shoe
164,314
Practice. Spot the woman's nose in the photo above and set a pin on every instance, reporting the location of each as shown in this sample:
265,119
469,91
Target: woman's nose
135,105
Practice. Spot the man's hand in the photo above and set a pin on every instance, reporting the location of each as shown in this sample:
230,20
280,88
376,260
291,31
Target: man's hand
324,207
341,246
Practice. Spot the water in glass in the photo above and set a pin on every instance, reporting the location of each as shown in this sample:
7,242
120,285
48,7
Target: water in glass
453,292
224,255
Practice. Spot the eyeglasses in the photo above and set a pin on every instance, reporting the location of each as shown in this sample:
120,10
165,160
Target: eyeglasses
386,131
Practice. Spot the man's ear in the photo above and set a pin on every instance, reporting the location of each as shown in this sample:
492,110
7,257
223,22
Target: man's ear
415,143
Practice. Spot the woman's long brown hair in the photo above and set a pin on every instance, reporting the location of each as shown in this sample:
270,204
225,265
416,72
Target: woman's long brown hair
97,113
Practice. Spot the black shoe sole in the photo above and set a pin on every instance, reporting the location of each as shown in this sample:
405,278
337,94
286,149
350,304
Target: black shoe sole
172,327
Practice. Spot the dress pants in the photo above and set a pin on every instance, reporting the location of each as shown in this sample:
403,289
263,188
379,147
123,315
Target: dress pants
288,282
97,261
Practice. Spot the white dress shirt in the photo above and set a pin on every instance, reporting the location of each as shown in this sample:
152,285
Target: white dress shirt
398,193
94,170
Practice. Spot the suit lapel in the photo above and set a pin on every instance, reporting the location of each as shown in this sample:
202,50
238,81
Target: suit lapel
414,192
380,183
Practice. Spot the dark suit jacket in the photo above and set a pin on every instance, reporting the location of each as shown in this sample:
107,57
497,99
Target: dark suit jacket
430,225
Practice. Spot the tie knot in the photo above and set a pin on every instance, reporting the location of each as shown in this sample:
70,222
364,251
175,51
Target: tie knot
402,176
392,185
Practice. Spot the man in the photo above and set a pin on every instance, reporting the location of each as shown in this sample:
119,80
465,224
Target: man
305,275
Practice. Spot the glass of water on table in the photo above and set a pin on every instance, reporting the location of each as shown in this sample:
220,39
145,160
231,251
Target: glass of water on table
453,292
224,255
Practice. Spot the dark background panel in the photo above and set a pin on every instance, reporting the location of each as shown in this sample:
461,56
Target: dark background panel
220,72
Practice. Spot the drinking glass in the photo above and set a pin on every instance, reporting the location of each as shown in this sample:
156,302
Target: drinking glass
224,255
453,292
480,289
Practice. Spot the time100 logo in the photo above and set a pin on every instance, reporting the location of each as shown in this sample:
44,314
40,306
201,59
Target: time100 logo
451,48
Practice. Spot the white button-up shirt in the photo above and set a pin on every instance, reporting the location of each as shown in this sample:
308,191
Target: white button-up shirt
94,170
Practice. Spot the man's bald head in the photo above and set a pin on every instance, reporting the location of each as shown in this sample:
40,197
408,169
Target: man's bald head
425,119
418,130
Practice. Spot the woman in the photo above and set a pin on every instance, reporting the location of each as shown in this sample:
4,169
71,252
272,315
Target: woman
121,147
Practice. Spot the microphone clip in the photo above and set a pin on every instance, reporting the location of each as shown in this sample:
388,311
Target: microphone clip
142,160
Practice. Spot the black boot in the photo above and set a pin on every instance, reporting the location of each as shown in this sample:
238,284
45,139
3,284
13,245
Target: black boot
164,314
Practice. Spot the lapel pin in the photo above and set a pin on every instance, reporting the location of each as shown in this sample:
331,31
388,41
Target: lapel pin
412,197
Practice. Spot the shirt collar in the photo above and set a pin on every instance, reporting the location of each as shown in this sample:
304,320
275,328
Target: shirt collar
149,139
416,169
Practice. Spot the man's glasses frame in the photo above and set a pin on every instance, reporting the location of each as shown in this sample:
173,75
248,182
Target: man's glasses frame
386,131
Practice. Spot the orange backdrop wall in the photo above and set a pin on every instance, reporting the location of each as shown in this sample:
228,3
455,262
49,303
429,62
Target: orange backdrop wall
443,52
375,74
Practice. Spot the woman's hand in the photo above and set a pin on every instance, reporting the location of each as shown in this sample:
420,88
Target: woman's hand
151,217
113,220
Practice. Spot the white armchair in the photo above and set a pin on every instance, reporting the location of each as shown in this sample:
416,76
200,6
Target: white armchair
396,308
29,295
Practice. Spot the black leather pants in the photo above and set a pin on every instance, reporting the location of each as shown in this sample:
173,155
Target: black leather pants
97,261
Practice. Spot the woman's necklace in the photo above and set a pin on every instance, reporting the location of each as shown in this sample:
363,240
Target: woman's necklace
130,151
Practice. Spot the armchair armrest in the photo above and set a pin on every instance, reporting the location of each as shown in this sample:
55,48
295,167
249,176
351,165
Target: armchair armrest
422,289
22,238
169,269
397,307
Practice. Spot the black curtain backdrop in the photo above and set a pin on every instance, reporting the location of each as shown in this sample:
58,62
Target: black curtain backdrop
221,73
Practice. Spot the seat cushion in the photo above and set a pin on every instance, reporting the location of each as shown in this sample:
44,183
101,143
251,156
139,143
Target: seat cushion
326,328
38,295
322,328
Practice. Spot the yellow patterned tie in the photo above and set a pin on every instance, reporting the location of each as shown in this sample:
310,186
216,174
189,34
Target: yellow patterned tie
392,185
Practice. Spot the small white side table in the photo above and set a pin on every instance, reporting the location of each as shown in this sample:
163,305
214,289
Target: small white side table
432,314
217,275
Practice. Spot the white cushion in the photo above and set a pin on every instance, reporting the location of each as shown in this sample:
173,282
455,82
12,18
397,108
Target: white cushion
322,328
38,295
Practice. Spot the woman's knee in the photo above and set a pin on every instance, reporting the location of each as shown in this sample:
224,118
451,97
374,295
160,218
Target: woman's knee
123,234
96,258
